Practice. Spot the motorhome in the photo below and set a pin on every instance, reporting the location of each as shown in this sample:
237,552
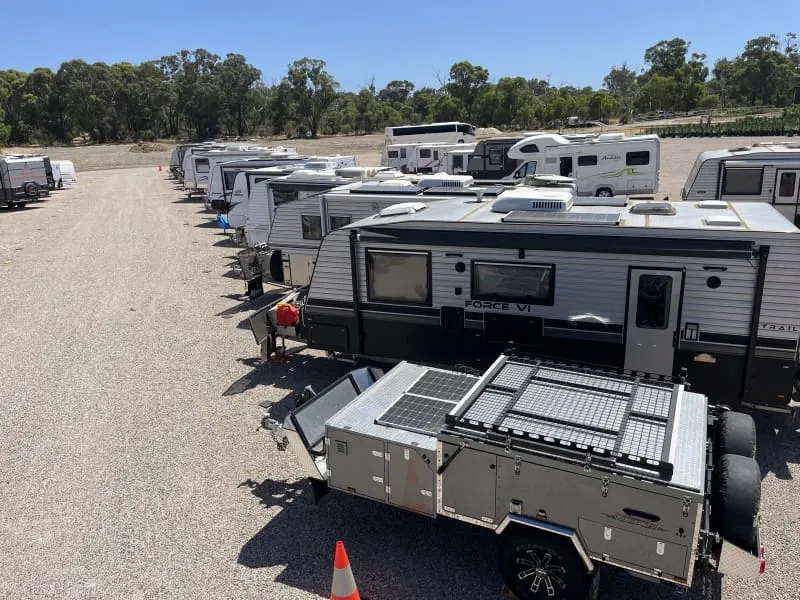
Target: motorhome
223,176
763,172
609,164
22,180
653,287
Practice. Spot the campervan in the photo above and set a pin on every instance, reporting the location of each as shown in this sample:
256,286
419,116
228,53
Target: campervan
22,180
762,172
651,287
609,164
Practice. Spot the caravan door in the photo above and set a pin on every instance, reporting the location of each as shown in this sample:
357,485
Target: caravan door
787,193
654,297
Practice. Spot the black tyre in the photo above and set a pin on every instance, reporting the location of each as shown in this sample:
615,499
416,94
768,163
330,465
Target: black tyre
21,204
12,205
737,499
736,434
31,189
604,193
536,566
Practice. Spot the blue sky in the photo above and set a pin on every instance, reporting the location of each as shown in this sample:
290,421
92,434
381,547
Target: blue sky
571,43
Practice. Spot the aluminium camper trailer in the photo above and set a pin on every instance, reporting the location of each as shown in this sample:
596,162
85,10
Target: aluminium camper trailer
609,164
652,287
576,470
763,172
22,180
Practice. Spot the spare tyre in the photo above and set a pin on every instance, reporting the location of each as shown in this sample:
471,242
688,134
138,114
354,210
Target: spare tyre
31,189
736,434
737,499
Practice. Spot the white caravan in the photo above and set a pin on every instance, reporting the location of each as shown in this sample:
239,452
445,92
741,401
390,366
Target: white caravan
764,172
605,165
429,158
196,178
453,132
65,173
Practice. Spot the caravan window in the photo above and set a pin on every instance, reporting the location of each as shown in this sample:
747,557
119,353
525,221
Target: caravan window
652,306
337,222
425,153
393,154
529,149
230,178
401,277
312,227
281,196
742,182
201,165
495,155
787,184
587,161
402,152
633,159
510,282
458,161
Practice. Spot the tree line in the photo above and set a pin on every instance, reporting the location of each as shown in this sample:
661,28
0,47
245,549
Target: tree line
198,95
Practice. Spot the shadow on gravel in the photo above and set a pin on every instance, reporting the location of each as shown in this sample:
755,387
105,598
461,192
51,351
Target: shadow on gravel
778,445
187,200
17,211
208,224
300,371
226,243
247,305
395,554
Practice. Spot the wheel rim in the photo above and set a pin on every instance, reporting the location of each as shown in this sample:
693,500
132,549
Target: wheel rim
604,194
541,572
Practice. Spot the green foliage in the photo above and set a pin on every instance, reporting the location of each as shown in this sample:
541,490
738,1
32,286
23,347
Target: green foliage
197,94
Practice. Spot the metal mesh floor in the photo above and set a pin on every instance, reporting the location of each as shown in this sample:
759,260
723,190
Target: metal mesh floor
617,416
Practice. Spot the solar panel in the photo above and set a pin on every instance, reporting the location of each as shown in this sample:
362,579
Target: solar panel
562,218
416,413
423,407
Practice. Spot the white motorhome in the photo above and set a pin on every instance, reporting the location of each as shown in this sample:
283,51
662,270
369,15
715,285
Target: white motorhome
22,180
764,172
605,165
653,287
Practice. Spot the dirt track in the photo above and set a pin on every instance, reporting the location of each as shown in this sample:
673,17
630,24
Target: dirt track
130,461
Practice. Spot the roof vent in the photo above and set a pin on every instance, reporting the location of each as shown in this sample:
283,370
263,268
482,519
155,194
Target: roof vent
446,181
653,208
712,204
403,208
610,136
723,221
533,199
739,149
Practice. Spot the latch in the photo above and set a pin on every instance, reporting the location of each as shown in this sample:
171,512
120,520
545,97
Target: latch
687,503
508,443
604,487
587,464
517,464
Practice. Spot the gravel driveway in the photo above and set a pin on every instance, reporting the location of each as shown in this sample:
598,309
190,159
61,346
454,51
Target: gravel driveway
129,458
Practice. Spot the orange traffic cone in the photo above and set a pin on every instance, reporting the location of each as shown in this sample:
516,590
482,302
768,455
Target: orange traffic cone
344,586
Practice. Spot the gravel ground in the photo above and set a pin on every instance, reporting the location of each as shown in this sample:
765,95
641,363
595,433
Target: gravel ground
130,461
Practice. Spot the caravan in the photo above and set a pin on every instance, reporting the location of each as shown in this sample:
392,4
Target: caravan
609,164
763,172
653,287
202,164
22,180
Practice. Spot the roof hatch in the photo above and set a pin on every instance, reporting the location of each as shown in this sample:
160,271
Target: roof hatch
403,208
723,221
653,208
712,204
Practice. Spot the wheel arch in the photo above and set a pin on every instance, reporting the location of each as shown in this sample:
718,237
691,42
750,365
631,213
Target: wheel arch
515,522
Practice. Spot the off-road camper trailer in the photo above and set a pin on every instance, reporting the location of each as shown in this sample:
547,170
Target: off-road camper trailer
653,287
609,164
763,172
22,180
490,159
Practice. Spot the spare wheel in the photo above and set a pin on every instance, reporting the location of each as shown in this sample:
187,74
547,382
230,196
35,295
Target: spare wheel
31,189
736,434
736,499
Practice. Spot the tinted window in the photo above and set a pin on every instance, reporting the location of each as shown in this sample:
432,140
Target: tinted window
495,155
424,153
458,161
529,148
402,152
529,284
652,307
742,182
281,196
393,154
787,184
398,277
336,222
229,179
633,159
587,161
201,165
312,227
435,155
466,129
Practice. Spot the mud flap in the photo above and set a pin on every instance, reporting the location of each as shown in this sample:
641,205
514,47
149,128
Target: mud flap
260,325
